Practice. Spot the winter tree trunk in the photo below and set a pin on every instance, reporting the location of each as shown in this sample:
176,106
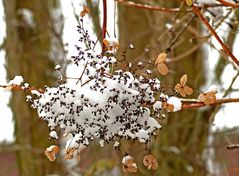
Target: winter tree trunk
28,47
183,139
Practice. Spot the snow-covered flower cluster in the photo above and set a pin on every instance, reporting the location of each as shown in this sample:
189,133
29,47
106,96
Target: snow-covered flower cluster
102,104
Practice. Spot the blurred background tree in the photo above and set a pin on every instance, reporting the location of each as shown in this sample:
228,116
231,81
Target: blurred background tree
181,145
182,141
32,45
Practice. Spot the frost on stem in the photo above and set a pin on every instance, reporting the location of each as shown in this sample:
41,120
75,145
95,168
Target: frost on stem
101,105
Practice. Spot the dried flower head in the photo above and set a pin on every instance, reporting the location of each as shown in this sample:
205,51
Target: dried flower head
150,162
182,88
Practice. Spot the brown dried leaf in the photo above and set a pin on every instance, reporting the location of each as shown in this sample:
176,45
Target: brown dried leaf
50,156
70,153
161,58
51,152
207,98
163,69
55,149
201,97
180,90
210,98
183,80
129,165
106,42
150,162
86,10
188,90
131,168
168,107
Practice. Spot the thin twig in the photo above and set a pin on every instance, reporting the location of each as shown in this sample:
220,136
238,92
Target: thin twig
18,87
225,3
233,146
164,9
212,31
195,104
104,26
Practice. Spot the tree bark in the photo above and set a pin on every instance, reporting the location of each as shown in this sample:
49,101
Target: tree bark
28,54
185,131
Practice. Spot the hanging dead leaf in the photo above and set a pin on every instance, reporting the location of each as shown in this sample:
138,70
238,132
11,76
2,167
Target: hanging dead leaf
128,164
162,68
182,88
160,63
183,80
111,44
150,162
84,11
70,153
106,42
51,152
161,58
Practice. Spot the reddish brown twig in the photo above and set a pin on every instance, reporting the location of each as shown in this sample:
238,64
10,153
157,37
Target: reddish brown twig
212,31
225,3
164,9
194,104
18,87
104,26
149,7
233,146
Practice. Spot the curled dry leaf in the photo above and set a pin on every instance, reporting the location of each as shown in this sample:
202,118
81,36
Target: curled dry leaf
183,80
51,152
163,69
128,164
70,153
111,45
182,88
161,58
84,11
207,98
168,107
150,162
160,63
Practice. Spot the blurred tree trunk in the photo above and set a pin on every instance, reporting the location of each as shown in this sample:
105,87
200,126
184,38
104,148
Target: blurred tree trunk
183,139
28,49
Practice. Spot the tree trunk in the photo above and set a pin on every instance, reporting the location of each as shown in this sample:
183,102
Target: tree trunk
183,139
28,47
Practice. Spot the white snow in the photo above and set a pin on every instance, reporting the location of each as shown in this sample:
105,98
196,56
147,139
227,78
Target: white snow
176,103
126,158
53,135
57,67
28,16
18,80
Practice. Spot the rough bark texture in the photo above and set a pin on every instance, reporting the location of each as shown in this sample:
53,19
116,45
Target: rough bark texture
27,54
183,139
